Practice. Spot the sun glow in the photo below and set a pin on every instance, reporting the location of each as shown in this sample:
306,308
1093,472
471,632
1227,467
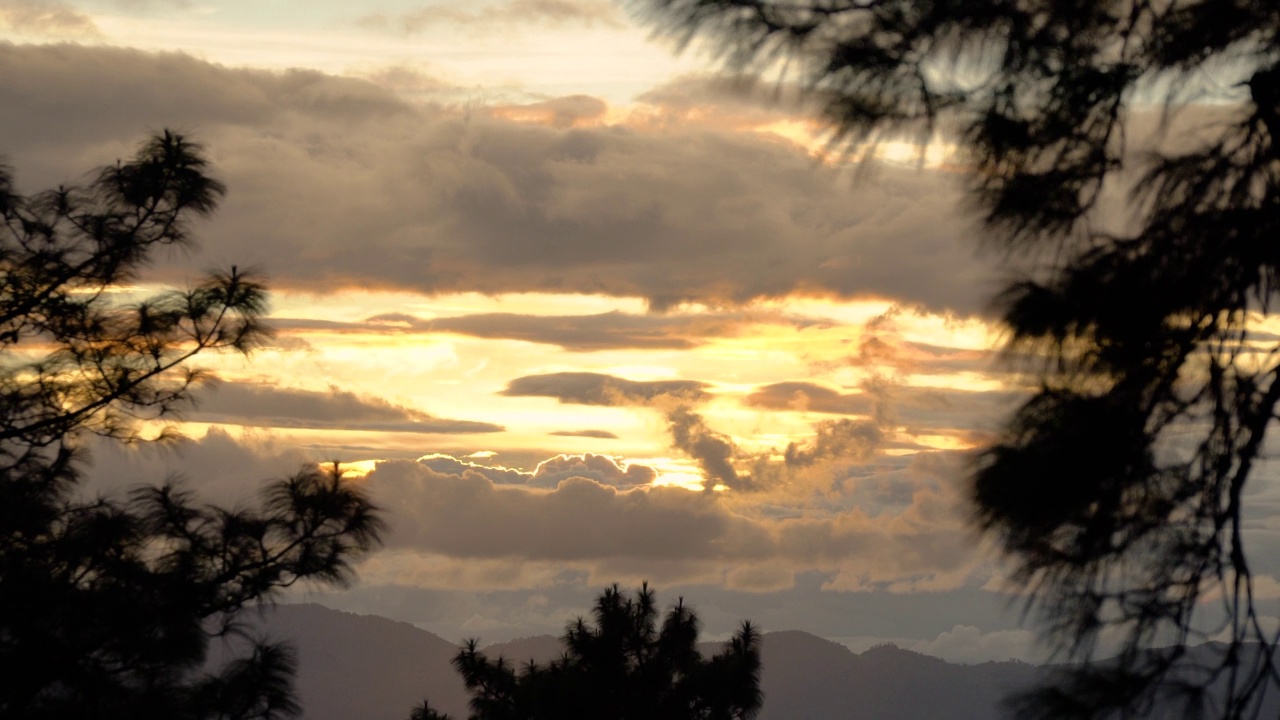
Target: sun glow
687,481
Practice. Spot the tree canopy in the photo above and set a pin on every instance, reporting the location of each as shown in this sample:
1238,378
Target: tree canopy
1125,156
108,605
624,667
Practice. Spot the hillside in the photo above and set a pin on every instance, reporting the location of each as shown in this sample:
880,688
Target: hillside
362,667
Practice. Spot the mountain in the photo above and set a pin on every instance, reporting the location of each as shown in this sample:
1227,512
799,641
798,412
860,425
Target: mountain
363,667
807,677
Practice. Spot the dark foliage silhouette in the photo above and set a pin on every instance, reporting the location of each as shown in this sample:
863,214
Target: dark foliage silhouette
625,667
108,605
426,712
1119,488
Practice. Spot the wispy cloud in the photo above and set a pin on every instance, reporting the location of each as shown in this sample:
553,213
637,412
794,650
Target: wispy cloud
55,20
599,434
586,388
835,446
266,406
808,397
490,16
580,333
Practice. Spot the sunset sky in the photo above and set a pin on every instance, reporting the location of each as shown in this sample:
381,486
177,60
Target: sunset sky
577,311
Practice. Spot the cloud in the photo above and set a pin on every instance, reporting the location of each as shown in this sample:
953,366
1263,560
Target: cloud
260,405
604,470
844,439
495,474
495,15
600,434
743,102
581,333
47,20
548,473
467,525
817,463
222,468
808,397
467,515
913,409
449,199
561,112
587,388
968,644
714,452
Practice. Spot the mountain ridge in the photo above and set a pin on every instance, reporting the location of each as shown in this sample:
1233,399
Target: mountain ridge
367,667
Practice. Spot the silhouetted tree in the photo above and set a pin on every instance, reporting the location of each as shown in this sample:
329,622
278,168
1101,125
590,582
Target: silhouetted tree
624,667
426,712
108,605
1118,489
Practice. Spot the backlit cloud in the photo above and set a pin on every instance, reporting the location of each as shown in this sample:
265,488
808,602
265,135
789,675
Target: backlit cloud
479,15
47,19
582,333
599,434
550,473
337,182
265,406
600,516
583,520
587,388
807,396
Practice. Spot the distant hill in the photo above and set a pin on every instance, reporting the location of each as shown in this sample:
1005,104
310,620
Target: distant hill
808,677
363,667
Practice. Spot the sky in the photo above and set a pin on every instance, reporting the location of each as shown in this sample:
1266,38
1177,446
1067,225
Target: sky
575,308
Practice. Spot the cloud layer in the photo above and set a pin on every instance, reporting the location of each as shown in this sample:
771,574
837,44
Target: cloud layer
586,388
336,182
581,333
242,403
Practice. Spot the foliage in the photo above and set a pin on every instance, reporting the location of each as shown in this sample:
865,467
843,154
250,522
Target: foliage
108,605
426,712
1143,226
623,667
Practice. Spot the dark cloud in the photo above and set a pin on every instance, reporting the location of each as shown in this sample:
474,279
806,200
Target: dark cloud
834,446
446,200
913,409
714,452
847,440
581,333
810,397
492,16
467,524
586,388
601,434
266,406
468,516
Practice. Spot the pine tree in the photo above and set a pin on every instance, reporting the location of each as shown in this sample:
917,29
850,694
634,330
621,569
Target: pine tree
108,605
1118,489
624,667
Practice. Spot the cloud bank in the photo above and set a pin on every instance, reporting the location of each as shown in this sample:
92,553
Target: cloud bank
242,403
587,388
337,182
